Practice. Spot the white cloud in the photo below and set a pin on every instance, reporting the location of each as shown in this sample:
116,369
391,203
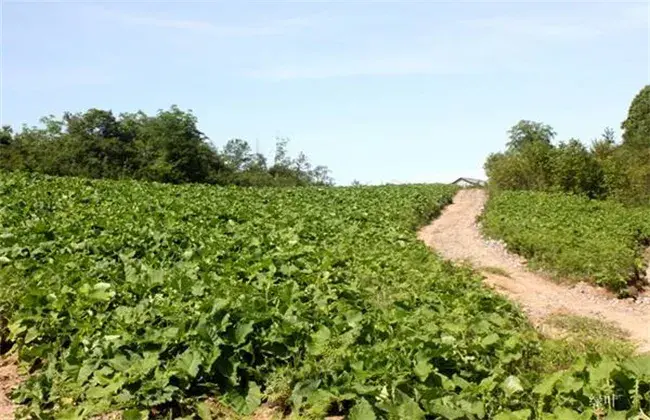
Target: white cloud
266,28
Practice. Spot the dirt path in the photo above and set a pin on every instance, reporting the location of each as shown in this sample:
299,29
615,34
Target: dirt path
456,236
8,379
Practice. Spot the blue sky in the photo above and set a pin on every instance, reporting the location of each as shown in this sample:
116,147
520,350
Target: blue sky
377,91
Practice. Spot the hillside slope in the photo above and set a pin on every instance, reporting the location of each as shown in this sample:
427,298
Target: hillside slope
455,235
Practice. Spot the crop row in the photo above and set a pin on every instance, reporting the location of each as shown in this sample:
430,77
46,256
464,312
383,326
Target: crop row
148,298
572,236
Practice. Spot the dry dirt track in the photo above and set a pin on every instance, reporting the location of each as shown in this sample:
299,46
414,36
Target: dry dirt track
8,379
455,235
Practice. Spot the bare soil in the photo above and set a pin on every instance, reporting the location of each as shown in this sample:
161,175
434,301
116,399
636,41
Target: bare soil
8,380
455,235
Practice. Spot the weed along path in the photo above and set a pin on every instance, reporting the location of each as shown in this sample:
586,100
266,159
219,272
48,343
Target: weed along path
456,236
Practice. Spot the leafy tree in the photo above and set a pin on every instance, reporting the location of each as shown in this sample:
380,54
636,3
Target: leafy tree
9,153
608,135
6,135
604,147
605,170
526,163
576,170
166,147
237,154
627,175
526,132
98,146
636,127
321,175
281,158
527,167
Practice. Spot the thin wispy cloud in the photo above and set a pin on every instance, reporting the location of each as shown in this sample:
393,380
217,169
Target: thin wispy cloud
391,63
562,28
263,28
56,77
533,28
466,46
164,23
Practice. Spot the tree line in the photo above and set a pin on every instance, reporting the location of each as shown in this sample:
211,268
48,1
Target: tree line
166,147
604,169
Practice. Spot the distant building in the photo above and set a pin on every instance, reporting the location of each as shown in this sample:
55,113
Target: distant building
469,182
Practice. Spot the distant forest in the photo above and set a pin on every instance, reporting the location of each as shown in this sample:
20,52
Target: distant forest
167,147
605,169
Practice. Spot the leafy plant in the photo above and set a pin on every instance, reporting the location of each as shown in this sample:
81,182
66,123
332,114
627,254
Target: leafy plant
150,299
598,241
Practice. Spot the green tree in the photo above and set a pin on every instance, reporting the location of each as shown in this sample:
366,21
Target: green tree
526,163
604,147
97,145
237,154
172,149
9,153
321,175
166,147
636,127
606,169
526,132
576,170
6,135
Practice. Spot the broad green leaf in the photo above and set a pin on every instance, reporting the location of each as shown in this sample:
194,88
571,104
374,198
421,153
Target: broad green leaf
566,413
242,331
319,340
422,367
189,362
409,409
602,371
362,410
490,339
101,292
245,404
514,415
512,385
569,384
446,410
32,334
546,386
254,397
639,366
134,414
616,415
203,410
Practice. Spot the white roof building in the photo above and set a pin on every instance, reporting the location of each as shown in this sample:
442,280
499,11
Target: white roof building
470,182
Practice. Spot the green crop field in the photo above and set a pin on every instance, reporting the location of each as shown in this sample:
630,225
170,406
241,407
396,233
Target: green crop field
597,241
152,299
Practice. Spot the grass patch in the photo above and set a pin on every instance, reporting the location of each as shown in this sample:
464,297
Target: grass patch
587,327
571,337
496,270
